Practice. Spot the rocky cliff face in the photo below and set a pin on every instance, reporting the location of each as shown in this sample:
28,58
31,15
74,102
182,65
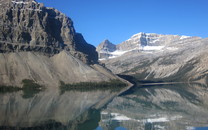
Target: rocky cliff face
29,26
41,44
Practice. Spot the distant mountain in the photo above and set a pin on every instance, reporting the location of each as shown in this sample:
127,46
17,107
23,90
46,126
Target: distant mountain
105,48
41,44
141,42
156,57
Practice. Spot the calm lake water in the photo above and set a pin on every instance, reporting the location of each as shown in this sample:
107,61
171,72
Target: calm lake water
158,107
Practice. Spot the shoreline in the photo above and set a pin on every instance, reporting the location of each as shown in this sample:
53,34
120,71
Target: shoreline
106,100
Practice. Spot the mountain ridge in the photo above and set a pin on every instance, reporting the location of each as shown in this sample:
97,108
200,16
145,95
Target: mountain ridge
167,58
41,44
142,41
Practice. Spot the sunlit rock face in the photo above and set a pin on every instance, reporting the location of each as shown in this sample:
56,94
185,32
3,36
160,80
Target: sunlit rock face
179,106
41,44
158,57
27,25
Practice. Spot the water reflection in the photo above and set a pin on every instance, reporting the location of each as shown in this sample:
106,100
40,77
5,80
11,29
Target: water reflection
179,106
171,107
51,110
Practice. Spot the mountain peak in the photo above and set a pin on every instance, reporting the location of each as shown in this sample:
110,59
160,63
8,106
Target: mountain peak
106,41
104,48
27,25
106,45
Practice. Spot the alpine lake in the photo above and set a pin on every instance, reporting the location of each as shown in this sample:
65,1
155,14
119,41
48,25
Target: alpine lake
142,107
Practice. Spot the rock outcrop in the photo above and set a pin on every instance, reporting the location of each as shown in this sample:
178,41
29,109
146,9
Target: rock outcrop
27,25
41,44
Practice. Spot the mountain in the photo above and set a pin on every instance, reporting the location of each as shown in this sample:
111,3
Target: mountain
105,48
29,26
40,43
142,42
156,57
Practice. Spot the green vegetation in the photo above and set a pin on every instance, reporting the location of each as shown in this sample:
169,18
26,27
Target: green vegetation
30,88
8,89
113,85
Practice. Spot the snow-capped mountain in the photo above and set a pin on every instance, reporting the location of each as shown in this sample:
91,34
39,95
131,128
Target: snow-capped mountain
149,56
140,40
146,42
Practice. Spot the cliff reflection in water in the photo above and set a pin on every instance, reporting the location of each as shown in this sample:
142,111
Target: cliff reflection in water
50,110
171,107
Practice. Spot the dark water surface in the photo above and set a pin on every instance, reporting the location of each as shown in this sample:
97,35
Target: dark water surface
158,107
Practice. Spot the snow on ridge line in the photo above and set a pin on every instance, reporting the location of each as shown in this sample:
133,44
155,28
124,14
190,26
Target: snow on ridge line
184,37
20,2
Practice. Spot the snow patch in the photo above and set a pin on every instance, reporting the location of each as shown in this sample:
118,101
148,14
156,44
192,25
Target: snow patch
151,119
114,54
152,48
104,113
160,127
172,48
118,52
20,2
120,117
161,119
34,2
102,59
184,37
154,41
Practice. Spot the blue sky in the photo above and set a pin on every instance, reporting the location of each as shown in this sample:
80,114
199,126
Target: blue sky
118,20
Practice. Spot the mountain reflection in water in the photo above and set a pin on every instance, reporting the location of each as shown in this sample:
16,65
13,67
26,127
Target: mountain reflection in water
179,106
168,107
49,109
